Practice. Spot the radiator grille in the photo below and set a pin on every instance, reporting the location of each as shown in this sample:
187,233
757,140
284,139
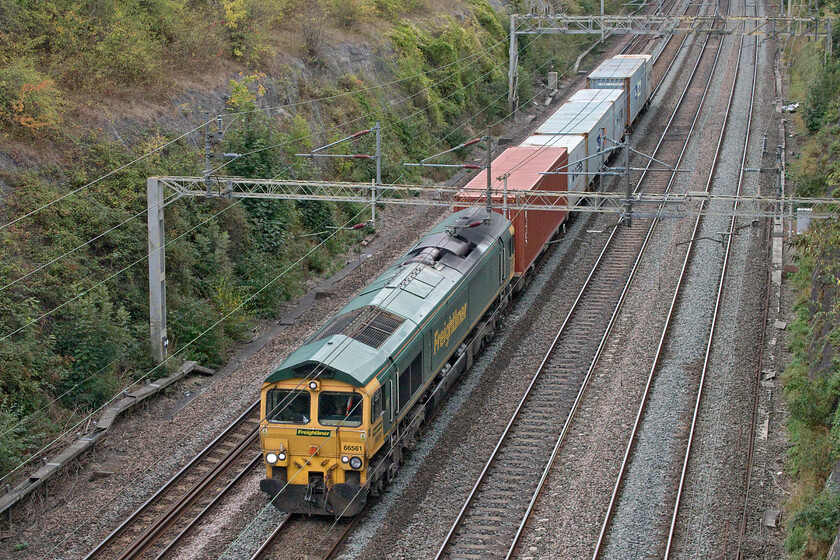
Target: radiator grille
369,325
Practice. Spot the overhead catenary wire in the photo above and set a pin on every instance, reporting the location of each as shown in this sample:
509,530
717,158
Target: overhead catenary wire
101,178
145,257
392,104
112,276
268,109
362,117
241,155
41,267
243,532
223,165
136,262
236,114
208,329
281,144
244,388
255,152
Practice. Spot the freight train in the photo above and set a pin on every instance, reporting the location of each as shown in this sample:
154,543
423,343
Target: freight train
340,412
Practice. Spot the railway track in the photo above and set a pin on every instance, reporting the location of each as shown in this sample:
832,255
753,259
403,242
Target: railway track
156,528
498,507
169,515
306,529
669,540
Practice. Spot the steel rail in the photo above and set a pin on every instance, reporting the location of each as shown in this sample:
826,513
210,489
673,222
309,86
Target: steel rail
337,542
324,550
171,484
267,544
536,376
192,523
567,424
742,524
145,541
174,480
515,415
637,423
718,303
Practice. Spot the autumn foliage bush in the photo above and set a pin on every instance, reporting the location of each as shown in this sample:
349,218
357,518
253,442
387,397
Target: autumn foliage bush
29,100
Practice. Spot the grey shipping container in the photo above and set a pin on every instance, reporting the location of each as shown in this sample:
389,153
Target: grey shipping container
617,97
632,73
575,145
592,119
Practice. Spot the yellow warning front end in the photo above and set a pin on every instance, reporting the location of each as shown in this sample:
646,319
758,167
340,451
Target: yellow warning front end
313,436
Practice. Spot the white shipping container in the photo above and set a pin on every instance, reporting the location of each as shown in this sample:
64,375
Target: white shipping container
617,97
631,73
593,120
575,145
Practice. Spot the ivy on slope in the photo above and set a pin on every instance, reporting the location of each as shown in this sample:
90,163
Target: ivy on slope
812,379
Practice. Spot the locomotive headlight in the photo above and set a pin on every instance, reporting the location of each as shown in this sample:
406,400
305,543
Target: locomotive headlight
355,463
271,458
281,456
345,459
313,385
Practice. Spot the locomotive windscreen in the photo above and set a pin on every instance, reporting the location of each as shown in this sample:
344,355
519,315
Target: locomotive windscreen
289,407
340,409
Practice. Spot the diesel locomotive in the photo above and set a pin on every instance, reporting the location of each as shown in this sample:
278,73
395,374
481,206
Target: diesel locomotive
340,411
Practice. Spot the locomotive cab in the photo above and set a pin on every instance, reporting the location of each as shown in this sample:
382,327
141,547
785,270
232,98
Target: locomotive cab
313,436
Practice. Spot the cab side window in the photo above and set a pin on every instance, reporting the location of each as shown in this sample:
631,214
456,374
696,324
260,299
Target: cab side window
386,399
376,406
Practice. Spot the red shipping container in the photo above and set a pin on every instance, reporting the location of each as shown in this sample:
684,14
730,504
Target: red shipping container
531,228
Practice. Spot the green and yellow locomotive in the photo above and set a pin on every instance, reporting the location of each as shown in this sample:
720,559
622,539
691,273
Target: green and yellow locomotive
340,411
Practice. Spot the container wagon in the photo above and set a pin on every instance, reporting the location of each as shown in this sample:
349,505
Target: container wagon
593,119
575,145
